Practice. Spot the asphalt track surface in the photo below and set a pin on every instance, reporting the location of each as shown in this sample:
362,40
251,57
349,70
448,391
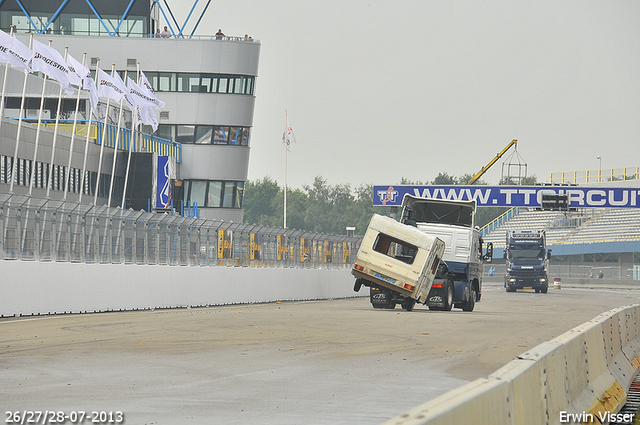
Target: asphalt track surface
318,362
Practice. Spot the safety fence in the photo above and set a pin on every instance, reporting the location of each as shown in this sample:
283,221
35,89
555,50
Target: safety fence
47,230
581,376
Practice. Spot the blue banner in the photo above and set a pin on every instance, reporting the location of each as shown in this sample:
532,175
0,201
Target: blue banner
163,199
513,196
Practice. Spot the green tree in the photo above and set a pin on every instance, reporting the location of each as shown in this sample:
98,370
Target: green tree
261,202
444,178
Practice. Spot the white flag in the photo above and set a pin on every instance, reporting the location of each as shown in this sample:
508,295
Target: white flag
109,87
149,117
288,136
13,52
81,77
48,61
148,90
89,84
140,96
78,71
127,96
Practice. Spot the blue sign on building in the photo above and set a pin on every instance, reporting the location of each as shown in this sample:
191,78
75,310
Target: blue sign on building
513,196
165,171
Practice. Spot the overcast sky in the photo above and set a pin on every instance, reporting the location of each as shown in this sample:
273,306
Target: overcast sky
379,90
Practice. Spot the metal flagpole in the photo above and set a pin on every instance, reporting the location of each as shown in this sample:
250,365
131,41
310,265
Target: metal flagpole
134,116
73,133
15,155
4,83
35,151
115,147
104,133
286,138
55,133
86,143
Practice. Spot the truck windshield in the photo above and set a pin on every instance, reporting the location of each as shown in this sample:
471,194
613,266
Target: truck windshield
526,252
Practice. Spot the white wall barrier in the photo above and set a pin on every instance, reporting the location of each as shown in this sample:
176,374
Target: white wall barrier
31,288
579,377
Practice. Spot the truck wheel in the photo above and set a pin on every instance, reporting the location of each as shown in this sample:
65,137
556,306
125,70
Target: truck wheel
448,300
391,305
357,285
510,289
409,304
544,290
537,290
470,303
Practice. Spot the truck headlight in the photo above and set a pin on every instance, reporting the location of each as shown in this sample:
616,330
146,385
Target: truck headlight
512,280
543,280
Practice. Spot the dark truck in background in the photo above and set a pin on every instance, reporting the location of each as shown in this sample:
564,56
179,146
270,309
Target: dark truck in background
527,260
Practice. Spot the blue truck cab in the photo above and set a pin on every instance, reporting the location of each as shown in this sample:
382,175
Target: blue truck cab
527,260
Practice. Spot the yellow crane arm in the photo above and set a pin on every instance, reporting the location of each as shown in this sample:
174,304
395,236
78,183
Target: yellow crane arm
493,161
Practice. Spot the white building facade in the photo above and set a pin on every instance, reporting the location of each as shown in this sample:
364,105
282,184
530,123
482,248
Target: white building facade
207,83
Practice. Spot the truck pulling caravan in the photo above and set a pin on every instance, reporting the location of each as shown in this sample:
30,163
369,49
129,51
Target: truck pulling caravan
457,280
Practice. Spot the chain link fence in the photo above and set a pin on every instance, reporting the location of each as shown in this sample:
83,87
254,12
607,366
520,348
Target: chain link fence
36,229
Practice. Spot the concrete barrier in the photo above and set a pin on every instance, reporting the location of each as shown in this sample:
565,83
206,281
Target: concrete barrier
32,288
580,376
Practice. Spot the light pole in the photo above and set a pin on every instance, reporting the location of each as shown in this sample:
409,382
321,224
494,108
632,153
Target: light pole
599,158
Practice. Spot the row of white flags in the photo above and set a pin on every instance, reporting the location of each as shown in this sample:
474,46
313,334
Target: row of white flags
68,73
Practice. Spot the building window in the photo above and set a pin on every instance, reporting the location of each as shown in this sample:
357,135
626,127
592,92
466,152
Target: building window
194,82
219,194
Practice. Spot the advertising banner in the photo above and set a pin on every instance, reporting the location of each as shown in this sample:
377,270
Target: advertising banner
166,173
513,196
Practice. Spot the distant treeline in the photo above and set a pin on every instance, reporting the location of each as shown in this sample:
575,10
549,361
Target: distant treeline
321,207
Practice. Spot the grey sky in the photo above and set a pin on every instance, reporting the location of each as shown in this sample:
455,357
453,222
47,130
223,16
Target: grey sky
379,90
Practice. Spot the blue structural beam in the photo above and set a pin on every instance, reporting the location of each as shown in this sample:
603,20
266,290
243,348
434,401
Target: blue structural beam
200,19
26,14
124,15
95,12
53,18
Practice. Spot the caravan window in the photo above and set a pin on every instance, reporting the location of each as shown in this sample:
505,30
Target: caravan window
395,248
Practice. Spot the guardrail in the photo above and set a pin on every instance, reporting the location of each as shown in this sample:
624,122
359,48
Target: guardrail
48,230
142,142
596,176
579,377
499,221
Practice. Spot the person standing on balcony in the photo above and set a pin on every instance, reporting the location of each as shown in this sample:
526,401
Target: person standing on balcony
219,34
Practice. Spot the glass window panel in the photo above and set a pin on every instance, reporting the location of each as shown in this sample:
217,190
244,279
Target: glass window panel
186,134
198,190
229,189
244,141
166,81
203,134
208,83
222,84
234,135
249,88
220,136
166,131
238,85
215,194
239,200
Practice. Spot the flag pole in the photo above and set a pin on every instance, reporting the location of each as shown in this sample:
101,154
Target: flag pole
4,83
55,132
134,116
35,150
73,134
14,168
115,146
286,120
104,133
86,143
